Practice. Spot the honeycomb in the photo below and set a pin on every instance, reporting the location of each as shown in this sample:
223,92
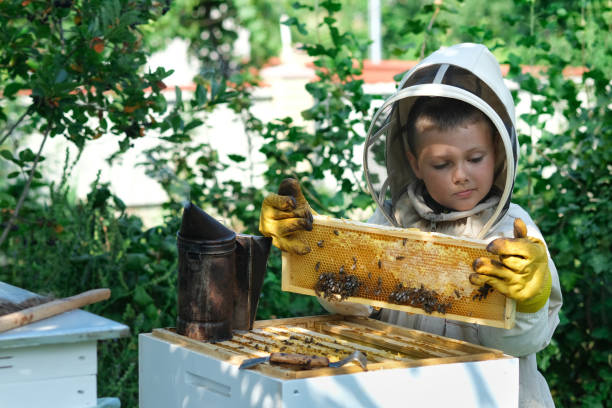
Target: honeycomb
387,260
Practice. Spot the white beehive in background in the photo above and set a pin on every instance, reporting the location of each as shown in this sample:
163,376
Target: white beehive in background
52,363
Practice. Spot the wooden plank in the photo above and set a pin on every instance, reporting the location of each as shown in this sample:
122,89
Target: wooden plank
241,347
442,341
367,350
395,232
436,361
303,321
426,345
386,346
299,346
506,323
391,260
509,313
381,341
331,347
220,353
209,349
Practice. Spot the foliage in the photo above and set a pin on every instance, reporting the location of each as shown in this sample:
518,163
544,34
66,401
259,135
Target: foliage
340,108
79,63
63,248
212,27
566,185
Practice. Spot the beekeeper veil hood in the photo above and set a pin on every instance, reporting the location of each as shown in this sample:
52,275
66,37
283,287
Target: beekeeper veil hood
467,72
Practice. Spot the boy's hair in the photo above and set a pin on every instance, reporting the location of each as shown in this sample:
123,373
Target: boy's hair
443,114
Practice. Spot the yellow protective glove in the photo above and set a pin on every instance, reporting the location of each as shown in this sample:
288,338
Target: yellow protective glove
521,272
285,213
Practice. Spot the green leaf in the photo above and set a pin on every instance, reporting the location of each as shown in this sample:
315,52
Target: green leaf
236,158
200,95
600,263
7,200
11,89
602,333
61,76
8,156
119,203
141,297
27,155
192,125
178,97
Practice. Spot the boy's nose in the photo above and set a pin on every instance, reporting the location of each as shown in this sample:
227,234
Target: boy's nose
460,175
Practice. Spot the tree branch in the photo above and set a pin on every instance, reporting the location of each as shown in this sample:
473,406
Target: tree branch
25,191
438,3
10,131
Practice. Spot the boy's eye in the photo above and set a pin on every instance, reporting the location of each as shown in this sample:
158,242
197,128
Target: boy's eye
476,159
439,166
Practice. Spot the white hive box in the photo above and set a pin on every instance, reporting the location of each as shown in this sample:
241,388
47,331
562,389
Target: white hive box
52,363
405,368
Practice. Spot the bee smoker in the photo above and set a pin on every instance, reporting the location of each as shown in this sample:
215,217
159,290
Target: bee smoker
220,275
251,260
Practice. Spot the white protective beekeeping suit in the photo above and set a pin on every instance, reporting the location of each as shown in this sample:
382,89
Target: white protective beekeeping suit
470,73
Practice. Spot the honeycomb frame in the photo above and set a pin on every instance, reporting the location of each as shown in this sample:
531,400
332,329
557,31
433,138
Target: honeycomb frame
383,257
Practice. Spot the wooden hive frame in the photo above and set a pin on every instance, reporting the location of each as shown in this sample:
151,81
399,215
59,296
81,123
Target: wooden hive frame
382,258
386,346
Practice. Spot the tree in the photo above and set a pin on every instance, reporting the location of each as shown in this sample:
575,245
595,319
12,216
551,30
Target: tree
73,69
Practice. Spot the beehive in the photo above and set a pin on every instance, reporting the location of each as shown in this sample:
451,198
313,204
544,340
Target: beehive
389,261
335,337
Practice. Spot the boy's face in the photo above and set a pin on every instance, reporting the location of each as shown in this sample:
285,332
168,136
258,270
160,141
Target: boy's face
457,165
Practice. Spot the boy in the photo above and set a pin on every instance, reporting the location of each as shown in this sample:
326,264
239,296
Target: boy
441,156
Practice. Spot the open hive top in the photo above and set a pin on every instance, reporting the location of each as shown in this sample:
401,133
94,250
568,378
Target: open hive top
394,268
335,337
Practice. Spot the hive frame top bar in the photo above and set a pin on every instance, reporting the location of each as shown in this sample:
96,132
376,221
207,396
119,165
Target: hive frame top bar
334,336
441,261
413,233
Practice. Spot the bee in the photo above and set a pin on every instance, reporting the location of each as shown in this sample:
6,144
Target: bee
399,258
379,264
457,293
320,244
483,291
404,241
369,275
336,232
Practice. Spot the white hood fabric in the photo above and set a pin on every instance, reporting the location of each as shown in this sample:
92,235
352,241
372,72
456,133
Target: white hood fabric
470,73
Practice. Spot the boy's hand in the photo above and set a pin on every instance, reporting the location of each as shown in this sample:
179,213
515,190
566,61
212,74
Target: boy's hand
521,272
285,213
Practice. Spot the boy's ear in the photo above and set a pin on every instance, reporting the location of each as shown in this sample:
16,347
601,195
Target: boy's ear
414,164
